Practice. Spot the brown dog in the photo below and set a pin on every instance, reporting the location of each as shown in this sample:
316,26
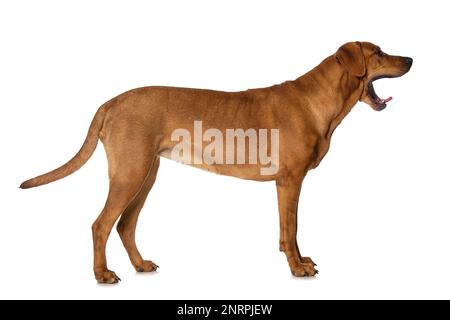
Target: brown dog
135,128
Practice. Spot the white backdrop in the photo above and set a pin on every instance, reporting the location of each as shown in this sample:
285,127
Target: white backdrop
374,215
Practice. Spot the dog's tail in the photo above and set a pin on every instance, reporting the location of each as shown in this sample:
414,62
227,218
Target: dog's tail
86,151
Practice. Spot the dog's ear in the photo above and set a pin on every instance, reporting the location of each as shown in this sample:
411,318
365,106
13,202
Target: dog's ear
351,57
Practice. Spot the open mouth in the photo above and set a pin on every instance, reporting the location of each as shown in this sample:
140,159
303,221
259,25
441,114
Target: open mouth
379,104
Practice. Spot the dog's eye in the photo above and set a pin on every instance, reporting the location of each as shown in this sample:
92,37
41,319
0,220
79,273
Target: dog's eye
380,53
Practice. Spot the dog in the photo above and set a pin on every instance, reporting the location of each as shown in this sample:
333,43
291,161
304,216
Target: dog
136,129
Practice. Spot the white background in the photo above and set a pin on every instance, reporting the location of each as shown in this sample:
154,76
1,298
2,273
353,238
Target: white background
374,215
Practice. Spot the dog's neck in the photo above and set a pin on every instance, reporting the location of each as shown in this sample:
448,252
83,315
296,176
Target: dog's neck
336,95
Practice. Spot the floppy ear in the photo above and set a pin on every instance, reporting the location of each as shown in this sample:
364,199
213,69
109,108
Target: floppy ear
351,57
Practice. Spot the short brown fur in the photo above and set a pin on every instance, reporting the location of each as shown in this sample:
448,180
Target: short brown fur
136,126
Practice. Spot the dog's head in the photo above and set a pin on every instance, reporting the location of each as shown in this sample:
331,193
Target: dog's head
367,62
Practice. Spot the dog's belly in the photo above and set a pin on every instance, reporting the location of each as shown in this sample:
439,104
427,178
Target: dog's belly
242,171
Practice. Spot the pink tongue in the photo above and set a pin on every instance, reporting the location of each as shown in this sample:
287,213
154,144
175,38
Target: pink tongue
387,100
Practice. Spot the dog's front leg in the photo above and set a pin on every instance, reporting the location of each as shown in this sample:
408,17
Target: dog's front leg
288,190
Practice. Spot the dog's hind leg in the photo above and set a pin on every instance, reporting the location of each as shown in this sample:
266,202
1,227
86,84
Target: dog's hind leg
130,157
127,223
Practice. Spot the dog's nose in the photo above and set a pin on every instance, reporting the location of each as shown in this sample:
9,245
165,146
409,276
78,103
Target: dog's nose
409,61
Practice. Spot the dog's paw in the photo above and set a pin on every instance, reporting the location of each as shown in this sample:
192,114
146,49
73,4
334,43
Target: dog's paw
147,266
304,270
308,260
108,277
